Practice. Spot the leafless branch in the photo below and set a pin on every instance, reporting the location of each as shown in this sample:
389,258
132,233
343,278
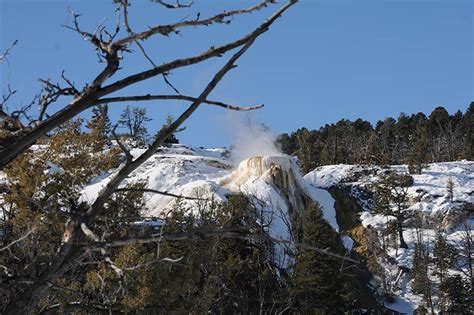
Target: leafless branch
164,193
132,33
173,28
91,94
52,92
152,262
122,147
24,110
124,6
6,97
150,97
85,35
177,5
7,51
168,82
21,238
213,232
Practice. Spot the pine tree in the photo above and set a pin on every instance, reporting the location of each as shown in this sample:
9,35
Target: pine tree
468,127
319,287
373,149
419,148
171,139
391,198
421,283
459,295
99,126
444,257
324,155
44,191
133,119
450,189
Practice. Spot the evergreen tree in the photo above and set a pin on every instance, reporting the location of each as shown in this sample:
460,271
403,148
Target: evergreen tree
444,257
99,126
391,198
419,148
319,287
133,119
468,126
171,139
450,189
373,149
421,283
324,155
459,295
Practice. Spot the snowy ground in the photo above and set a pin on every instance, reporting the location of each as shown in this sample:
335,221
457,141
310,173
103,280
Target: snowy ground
428,195
210,174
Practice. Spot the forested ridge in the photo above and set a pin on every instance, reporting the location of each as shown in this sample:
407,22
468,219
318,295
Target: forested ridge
409,139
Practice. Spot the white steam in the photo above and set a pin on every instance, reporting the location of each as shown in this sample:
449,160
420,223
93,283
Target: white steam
251,139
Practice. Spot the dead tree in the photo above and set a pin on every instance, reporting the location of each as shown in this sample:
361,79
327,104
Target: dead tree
78,239
111,50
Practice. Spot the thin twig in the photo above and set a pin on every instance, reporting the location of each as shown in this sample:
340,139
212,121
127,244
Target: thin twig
154,191
8,50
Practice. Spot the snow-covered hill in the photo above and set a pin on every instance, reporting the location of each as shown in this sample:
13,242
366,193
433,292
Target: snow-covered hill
428,197
274,182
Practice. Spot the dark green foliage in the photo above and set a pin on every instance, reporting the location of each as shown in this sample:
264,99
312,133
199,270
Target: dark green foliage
445,256
391,198
133,120
100,126
43,192
319,286
459,295
419,148
468,132
217,275
419,270
413,139
171,139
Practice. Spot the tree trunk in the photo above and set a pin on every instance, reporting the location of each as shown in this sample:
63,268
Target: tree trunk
400,234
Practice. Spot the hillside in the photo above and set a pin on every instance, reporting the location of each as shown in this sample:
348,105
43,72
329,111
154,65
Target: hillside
201,175
429,199
196,179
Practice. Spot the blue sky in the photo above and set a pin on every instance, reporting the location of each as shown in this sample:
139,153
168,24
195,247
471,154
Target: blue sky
323,61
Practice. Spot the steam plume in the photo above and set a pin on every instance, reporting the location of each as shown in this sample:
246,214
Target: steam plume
250,139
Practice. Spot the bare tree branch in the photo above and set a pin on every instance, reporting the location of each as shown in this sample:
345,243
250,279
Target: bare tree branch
7,51
122,147
212,232
6,97
21,238
71,252
150,97
177,5
154,191
90,95
173,28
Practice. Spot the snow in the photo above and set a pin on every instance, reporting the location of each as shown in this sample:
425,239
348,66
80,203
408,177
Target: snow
428,195
347,242
375,220
401,305
429,187
330,175
178,170
276,187
273,183
325,200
